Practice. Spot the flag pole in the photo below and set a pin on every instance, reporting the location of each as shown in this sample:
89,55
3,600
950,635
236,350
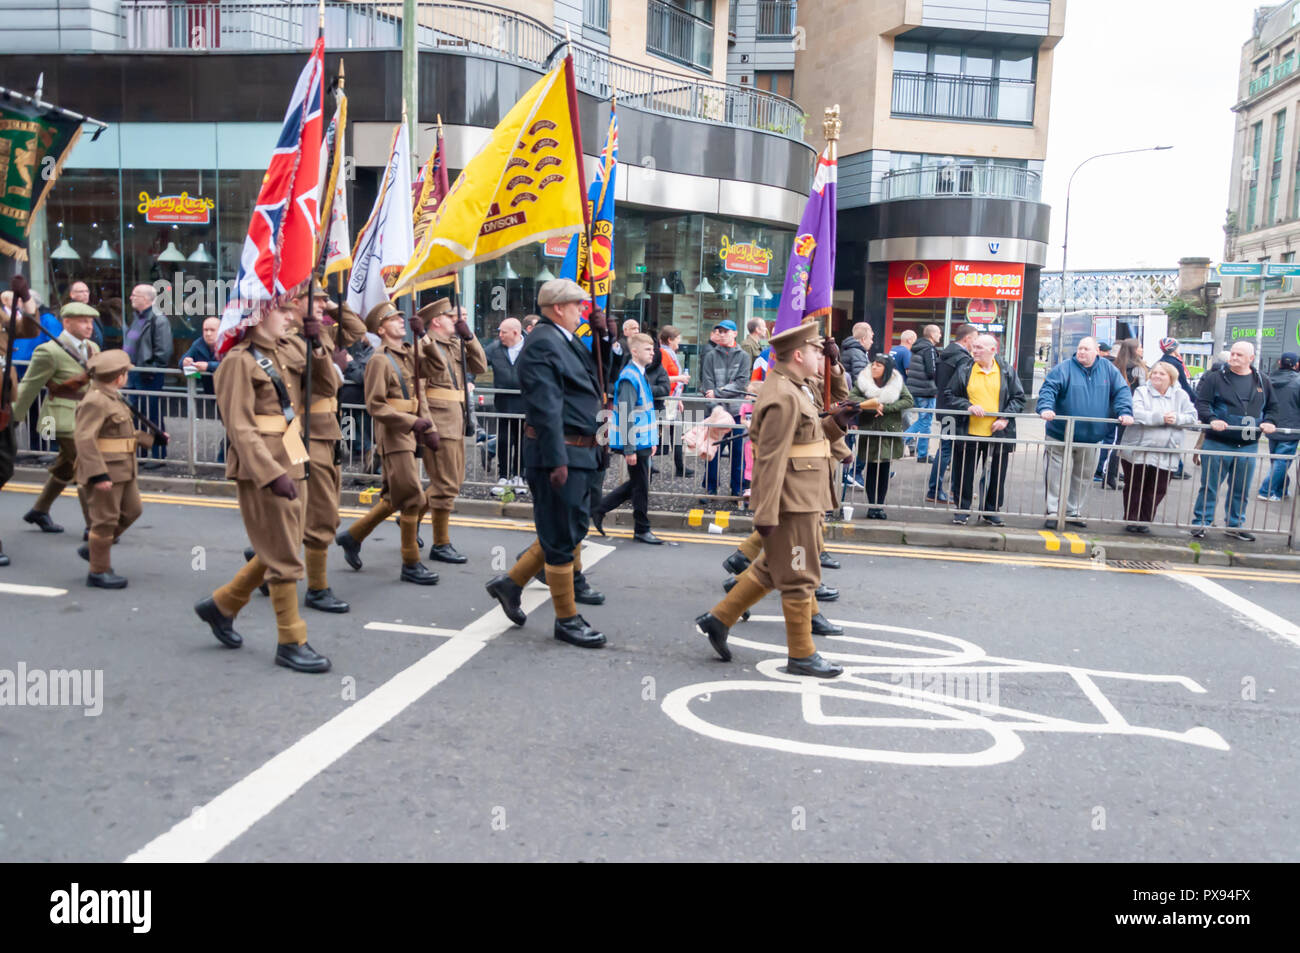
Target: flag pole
831,127
311,346
572,90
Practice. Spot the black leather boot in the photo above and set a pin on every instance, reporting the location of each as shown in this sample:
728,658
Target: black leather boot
824,626
813,665
727,586
301,658
446,553
249,553
222,627
582,591
825,593
828,561
577,631
736,563
508,593
419,574
351,549
105,580
709,625
47,525
84,551
324,600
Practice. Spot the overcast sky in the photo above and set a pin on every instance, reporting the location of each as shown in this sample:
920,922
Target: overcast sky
1134,73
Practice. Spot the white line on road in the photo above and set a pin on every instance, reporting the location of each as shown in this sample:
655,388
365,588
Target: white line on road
15,589
1270,622
213,827
409,629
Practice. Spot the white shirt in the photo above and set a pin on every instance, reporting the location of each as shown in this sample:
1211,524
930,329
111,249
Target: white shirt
513,351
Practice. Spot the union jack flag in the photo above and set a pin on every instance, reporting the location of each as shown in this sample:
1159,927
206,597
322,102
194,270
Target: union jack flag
279,249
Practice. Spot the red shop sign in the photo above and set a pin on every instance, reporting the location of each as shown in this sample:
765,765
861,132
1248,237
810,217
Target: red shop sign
955,279
918,279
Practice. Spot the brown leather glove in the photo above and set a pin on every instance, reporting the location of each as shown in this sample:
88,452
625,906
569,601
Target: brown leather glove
462,330
848,461
417,325
831,350
559,476
431,440
764,530
597,321
283,486
421,425
845,416
340,359
21,289
311,327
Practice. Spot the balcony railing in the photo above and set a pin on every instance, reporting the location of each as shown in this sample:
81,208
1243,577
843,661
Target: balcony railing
962,181
1267,78
971,98
595,15
474,29
676,35
776,18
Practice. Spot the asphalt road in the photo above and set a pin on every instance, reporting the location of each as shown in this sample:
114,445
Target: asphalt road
1028,712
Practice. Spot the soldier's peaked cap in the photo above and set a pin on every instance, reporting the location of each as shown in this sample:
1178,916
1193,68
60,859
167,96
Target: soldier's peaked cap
379,314
561,291
107,365
789,341
434,308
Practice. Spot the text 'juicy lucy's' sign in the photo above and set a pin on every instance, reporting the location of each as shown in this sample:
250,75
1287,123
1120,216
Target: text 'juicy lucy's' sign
182,209
746,258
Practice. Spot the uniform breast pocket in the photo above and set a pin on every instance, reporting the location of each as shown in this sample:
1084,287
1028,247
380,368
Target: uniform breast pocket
805,463
119,420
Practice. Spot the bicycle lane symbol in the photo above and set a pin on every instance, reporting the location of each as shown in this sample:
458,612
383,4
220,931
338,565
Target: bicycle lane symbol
880,680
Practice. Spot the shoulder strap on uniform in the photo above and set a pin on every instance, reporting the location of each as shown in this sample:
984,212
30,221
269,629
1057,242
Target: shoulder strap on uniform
281,391
401,379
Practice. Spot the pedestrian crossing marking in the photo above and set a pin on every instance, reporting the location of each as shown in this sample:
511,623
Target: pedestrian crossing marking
694,517
1077,545
14,589
1053,544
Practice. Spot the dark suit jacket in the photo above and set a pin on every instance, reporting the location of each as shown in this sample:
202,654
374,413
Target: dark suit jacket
561,395
505,376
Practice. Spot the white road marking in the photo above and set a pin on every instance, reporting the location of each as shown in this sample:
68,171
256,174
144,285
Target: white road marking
15,589
1272,623
409,629
213,827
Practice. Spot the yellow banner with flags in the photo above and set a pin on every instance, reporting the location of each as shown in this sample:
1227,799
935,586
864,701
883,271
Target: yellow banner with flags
525,185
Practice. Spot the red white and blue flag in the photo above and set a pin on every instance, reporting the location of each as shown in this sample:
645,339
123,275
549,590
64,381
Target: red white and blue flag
279,250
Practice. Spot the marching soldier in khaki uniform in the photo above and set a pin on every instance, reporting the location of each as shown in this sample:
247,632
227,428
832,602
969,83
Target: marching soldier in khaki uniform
60,367
793,487
106,441
402,425
260,393
26,325
440,373
324,480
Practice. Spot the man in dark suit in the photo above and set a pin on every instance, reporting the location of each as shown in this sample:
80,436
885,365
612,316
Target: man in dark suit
562,398
502,356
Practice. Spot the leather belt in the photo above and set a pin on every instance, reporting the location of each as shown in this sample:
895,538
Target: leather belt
572,439
822,448
324,405
270,423
74,389
406,405
115,444
445,393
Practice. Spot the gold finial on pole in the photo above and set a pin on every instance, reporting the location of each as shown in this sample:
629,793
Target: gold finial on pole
342,78
831,123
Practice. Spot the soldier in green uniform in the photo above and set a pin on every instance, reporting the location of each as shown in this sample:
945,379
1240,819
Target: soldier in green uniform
59,366
792,489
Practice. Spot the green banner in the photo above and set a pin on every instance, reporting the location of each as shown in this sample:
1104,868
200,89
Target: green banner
34,142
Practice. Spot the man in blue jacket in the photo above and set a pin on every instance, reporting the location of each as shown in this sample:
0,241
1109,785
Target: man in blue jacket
1083,386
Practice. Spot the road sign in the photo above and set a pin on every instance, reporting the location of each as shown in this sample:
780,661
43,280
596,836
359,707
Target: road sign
1241,269
1270,284
1283,269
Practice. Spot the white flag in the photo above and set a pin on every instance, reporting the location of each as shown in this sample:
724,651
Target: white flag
387,241
338,249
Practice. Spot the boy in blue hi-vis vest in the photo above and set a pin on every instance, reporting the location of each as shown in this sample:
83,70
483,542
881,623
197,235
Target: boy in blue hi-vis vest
634,434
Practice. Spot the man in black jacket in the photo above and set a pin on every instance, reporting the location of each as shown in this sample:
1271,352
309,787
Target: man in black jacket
724,379
922,381
562,396
502,356
1283,443
950,359
1237,402
855,351
970,388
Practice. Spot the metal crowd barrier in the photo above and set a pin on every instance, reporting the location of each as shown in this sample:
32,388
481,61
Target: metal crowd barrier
493,463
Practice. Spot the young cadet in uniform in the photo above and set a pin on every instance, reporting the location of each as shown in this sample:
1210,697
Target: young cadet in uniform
793,487
26,325
106,441
402,426
259,388
440,375
557,375
60,367
324,479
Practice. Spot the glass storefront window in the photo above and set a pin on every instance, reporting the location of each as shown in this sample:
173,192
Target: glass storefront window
84,211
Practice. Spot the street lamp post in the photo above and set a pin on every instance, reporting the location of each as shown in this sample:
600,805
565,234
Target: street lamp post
1065,242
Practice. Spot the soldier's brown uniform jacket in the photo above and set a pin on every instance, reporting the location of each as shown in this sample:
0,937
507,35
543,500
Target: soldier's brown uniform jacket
444,391
255,426
394,416
106,440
